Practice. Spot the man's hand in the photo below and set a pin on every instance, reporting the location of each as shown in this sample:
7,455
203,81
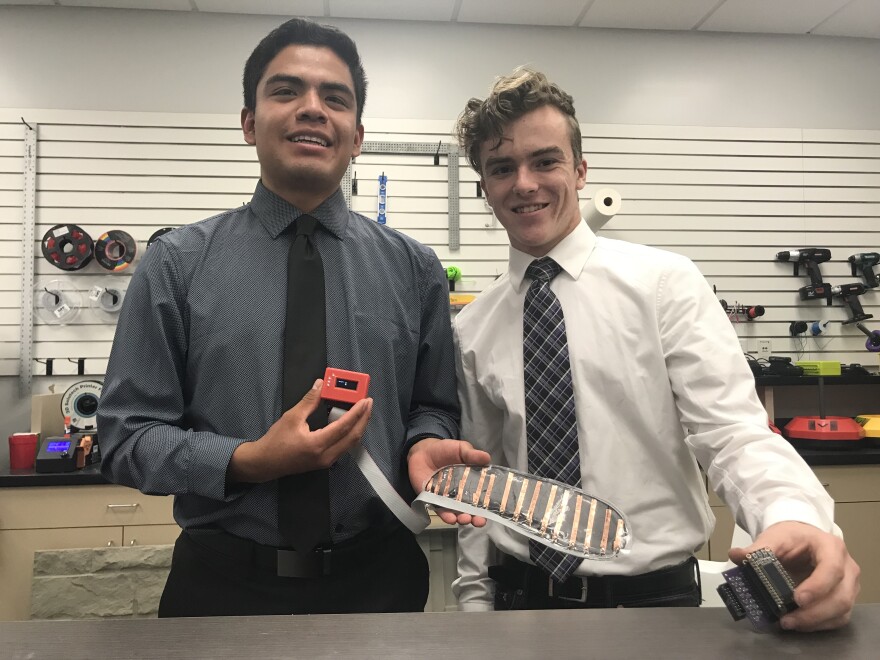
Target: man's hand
828,577
289,447
429,455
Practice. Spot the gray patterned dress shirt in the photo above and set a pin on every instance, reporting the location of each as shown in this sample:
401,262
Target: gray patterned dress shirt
195,368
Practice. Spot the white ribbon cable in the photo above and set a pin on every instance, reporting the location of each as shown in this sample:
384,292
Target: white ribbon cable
416,517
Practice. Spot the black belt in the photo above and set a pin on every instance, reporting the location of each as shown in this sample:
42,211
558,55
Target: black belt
346,556
596,591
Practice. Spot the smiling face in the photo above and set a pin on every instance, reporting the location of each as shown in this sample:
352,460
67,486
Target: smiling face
304,124
531,180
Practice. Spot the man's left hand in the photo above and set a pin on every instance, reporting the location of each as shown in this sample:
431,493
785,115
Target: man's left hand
429,455
827,577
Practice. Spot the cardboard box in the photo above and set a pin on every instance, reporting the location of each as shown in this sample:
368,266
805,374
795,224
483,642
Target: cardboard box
46,417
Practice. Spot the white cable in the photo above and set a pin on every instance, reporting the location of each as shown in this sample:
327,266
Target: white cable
416,517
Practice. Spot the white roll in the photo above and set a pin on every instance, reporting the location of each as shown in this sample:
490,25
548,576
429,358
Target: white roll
604,206
56,302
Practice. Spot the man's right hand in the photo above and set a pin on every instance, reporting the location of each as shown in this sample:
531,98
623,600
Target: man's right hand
289,447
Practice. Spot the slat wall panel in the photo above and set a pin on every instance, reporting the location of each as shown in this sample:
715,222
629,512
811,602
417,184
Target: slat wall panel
728,198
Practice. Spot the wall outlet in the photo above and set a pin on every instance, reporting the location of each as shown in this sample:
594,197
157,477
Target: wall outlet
765,347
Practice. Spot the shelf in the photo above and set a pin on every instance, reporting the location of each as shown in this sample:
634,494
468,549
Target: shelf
769,381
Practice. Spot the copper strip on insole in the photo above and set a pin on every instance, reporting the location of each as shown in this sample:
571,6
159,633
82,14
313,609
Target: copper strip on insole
503,507
548,509
521,499
462,483
566,495
531,511
489,491
479,489
588,534
605,530
575,521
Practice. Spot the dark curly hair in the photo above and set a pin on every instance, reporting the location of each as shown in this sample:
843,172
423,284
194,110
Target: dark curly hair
510,98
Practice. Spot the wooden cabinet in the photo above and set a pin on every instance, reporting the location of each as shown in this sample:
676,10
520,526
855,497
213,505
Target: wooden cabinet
51,518
856,493
62,517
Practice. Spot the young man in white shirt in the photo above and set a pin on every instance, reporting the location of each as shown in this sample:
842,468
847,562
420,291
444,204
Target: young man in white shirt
660,388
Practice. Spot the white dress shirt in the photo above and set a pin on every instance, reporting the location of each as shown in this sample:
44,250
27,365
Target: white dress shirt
660,384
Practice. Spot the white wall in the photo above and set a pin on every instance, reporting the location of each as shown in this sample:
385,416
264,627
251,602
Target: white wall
174,62
54,57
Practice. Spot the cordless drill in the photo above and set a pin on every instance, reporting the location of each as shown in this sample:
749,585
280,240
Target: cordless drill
865,261
850,294
810,258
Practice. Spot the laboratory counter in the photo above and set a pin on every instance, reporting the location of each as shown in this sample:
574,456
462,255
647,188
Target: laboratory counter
679,633
91,475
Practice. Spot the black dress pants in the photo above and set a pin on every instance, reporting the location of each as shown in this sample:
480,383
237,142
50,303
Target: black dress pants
390,575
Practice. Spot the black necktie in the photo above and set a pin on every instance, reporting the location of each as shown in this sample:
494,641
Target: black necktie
551,423
304,499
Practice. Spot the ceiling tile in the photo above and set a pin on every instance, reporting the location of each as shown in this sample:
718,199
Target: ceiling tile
666,15
778,16
167,5
521,12
271,7
407,10
860,18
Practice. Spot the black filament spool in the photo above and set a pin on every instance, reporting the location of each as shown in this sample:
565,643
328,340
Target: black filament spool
68,247
115,250
156,234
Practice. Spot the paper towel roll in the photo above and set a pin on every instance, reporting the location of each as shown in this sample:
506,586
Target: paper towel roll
604,206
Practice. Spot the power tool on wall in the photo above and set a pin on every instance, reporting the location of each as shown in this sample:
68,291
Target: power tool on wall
850,294
824,431
865,262
810,258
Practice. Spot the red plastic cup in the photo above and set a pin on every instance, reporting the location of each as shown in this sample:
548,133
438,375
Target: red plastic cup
22,450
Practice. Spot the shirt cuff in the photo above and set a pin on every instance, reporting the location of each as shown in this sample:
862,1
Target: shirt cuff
413,440
797,511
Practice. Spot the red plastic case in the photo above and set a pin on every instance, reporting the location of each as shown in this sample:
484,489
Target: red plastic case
344,386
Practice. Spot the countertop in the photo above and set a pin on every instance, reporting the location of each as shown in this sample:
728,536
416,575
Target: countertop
91,475
88,476
658,634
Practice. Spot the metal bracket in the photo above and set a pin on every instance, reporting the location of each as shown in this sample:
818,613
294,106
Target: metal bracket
452,165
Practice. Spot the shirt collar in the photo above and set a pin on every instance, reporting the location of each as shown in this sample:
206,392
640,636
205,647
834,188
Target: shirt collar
276,214
571,253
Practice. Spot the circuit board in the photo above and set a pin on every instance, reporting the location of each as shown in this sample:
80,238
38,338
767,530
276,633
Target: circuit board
760,590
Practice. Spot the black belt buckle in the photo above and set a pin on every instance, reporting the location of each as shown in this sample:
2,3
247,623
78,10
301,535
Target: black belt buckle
303,565
553,588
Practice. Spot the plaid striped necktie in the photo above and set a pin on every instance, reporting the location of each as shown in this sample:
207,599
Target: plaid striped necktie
551,422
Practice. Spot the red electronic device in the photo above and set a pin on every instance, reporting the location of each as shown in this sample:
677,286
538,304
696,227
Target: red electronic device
810,432
344,386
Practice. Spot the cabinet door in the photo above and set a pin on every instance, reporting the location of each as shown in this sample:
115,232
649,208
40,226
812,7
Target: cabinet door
850,483
858,520
81,506
17,560
150,534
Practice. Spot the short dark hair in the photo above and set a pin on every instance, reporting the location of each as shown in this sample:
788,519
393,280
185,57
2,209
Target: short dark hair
510,98
302,31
